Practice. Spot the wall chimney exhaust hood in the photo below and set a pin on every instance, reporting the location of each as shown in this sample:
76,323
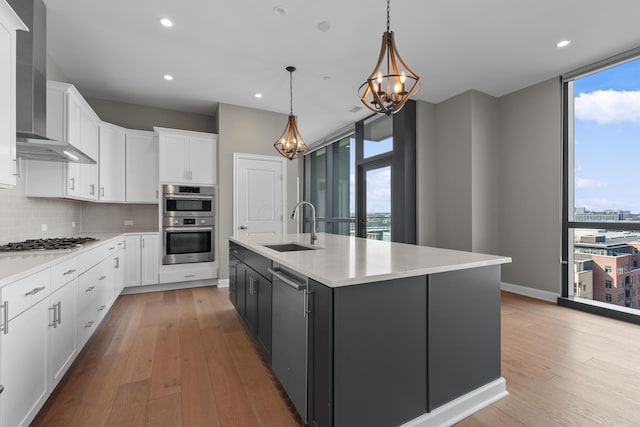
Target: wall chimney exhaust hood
31,90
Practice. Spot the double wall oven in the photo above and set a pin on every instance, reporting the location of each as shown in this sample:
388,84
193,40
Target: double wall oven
188,224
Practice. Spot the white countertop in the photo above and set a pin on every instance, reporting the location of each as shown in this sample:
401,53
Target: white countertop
343,260
17,265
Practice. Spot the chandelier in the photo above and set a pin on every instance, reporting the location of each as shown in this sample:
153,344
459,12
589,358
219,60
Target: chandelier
290,144
392,82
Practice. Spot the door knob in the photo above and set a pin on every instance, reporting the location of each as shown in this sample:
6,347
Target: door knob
243,227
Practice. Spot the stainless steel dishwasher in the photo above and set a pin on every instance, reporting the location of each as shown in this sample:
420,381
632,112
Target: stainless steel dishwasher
289,334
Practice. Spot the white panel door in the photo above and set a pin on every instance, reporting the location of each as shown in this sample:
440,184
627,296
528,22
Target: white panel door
259,195
90,145
62,331
7,107
132,261
74,118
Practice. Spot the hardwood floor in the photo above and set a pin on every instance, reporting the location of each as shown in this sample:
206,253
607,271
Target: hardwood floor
182,358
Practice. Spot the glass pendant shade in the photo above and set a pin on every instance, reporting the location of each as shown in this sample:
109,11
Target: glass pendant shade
392,82
290,144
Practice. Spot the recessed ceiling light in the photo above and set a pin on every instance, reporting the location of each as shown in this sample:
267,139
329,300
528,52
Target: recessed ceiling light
258,95
324,26
168,77
563,43
166,22
280,11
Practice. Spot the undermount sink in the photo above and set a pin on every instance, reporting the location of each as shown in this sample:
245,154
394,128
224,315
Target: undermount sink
290,247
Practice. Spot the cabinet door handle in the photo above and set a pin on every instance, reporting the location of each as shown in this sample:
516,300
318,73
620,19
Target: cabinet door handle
101,191
116,262
189,275
34,291
112,248
66,273
18,168
92,189
5,317
90,288
101,307
54,308
156,194
72,187
88,325
102,278
59,312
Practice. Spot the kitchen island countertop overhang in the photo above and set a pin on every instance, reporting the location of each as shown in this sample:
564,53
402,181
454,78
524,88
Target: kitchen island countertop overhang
343,260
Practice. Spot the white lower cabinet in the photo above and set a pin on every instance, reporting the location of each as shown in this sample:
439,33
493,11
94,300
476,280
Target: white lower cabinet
142,262
23,349
63,307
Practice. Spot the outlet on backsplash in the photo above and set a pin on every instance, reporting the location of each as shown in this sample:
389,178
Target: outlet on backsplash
73,224
44,227
128,222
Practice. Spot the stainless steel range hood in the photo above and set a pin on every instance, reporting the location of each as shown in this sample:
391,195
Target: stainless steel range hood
31,90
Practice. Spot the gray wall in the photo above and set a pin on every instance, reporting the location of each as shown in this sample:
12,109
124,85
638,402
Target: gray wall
132,116
484,173
247,130
489,179
530,185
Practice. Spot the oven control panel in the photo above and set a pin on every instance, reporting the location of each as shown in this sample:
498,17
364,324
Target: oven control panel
187,222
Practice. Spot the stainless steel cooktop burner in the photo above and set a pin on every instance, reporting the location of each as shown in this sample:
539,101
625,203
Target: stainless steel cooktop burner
47,244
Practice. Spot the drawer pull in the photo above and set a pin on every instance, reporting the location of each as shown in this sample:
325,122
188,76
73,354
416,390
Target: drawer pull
35,291
102,307
190,275
102,277
112,248
88,325
90,288
5,317
66,273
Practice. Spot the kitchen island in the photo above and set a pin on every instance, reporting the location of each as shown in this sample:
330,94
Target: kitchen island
393,334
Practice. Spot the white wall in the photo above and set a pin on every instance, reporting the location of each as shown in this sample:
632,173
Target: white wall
530,185
246,130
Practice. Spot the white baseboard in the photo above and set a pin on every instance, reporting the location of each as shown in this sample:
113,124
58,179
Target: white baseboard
530,292
168,286
462,407
223,283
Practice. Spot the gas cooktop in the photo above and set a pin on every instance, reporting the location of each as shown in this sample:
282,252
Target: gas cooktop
67,243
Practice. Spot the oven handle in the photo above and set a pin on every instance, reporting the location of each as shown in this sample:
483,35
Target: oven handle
182,229
180,196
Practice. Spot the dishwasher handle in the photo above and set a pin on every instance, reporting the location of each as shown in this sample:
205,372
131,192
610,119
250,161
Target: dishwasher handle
298,286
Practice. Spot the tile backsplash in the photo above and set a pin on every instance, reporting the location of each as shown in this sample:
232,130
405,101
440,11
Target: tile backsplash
22,217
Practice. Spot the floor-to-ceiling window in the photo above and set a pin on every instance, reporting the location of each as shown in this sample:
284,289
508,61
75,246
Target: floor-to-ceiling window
602,190
362,182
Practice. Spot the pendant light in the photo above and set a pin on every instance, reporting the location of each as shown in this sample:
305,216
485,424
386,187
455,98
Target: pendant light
290,144
391,83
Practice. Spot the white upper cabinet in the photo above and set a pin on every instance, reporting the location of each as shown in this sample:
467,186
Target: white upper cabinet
141,166
187,157
112,162
89,144
9,24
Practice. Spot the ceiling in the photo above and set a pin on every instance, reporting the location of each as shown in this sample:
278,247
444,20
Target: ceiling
226,51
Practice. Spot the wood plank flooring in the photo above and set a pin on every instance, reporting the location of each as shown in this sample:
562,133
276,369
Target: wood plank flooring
182,358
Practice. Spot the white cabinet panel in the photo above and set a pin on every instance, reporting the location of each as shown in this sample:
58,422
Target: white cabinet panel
132,261
202,160
9,23
142,151
89,137
174,154
63,348
24,366
112,163
150,259
187,157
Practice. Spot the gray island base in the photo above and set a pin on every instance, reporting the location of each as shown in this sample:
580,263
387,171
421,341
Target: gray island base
391,334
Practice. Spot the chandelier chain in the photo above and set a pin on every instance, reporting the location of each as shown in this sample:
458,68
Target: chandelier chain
388,13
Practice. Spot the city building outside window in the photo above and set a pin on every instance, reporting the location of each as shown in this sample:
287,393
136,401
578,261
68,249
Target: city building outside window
607,297
607,284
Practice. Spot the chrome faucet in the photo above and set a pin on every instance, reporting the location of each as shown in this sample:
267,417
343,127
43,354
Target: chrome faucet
314,236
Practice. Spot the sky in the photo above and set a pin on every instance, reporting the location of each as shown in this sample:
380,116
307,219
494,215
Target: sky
607,139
